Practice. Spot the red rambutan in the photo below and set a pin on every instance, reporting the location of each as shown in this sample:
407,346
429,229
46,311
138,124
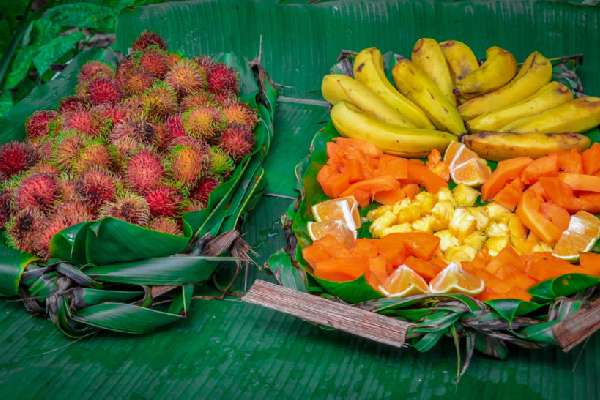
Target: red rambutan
95,70
148,39
203,122
40,123
137,83
144,171
72,103
197,99
204,189
186,76
22,229
67,189
115,113
163,202
140,130
15,157
92,155
226,97
96,186
66,148
85,122
221,78
237,142
239,114
38,191
102,90
154,62
65,215
160,100
205,62
165,225
6,200
129,207
174,126
44,167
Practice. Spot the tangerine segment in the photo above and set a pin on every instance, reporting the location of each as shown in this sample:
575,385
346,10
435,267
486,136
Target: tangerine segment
404,282
580,236
337,229
473,172
453,279
344,209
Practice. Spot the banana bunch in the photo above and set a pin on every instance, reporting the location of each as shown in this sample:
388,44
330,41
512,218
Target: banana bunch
442,92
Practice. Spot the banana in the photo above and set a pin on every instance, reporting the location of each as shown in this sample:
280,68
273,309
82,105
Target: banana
406,142
336,88
578,115
550,96
500,146
535,72
497,70
414,84
368,69
460,58
428,56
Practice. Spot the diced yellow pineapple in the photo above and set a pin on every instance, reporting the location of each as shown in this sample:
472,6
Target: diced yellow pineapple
498,213
481,217
438,225
401,205
541,247
386,220
425,200
443,211
475,240
460,253
462,223
400,228
465,196
378,212
409,214
424,224
445,194
496,244
497,229
447,240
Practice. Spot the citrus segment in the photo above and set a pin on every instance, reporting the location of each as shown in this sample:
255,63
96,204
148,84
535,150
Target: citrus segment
453,279
404,282
344,209
337,229
580,236
465,165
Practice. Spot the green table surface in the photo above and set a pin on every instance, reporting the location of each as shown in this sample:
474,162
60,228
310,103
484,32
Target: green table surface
228,349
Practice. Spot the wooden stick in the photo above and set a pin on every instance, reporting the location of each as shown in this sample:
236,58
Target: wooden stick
575,329
321,311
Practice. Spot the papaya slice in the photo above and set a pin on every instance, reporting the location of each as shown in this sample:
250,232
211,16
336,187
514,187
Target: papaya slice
546,266
588,183
591,159
419,173
393,166
590,263
570,161
364,190
350,266
559,193
377,273
426,269
332,182
558,215
392,249
363,146
510,195
419,244
589,202
353,169
529,212
506,171
390,197
411,190
543,166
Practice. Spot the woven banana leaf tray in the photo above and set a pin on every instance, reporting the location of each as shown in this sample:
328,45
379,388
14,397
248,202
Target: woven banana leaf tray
229,349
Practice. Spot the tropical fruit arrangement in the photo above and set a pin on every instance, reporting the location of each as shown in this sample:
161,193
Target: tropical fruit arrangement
474,181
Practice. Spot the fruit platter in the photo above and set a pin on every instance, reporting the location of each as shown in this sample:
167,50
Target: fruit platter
124,191
456,194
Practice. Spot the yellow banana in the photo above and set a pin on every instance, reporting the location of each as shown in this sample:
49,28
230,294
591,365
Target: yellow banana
500,146
406,142
428,56
497,70
368,69
578,115
336,88
535,72
550,96
460,58
414,84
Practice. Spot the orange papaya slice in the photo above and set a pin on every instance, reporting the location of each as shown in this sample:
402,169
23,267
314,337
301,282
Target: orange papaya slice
505,172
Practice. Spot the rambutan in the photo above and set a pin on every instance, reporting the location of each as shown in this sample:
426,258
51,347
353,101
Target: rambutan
44,167
133,106
95,70
186,76
237,142
165,225
205,62
205,187
148,39
94,154
221,78
66,148
137,83
15,157
67,189
128,207
140,130
144,171
172,59
72,103
38,191
224,98
160,100
163,201
203,122
174,126
65,215
86,122
96,186
102,90
239,114
115,113
40,123
191,205
6,201
22,229
154,62
186,164
197,99
122,149
220,162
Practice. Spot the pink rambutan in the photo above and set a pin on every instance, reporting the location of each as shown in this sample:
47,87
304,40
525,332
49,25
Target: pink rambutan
85,121
160,100
6,200
237,142
163,201
102,90
66,215
40,123
95,70
144,171
197,99
38,191
23,227
154,62
205,187
96,186
221,78
129,207
115,113
174,126
203,122
186,164
148,39
15,157
165,225
92,155
72,103
239,114
186,76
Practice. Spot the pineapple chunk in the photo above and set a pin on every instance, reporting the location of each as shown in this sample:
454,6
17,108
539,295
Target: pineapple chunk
497,229
387,219
445,194
496,244
481,217
541,247
460,253
378,212
465,196
438,225
424,224
498,213
409,214
443,211
462,223
475,240
425,201
447,240
400,228
401,205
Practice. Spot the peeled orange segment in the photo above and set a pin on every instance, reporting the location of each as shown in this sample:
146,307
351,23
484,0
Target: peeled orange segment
344,209
580,236
404,282
337,229
465,165
454,279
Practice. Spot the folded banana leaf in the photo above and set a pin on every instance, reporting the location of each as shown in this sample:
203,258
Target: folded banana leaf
101,274
486,326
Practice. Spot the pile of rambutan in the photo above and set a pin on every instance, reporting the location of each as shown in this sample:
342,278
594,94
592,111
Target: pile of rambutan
145,143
